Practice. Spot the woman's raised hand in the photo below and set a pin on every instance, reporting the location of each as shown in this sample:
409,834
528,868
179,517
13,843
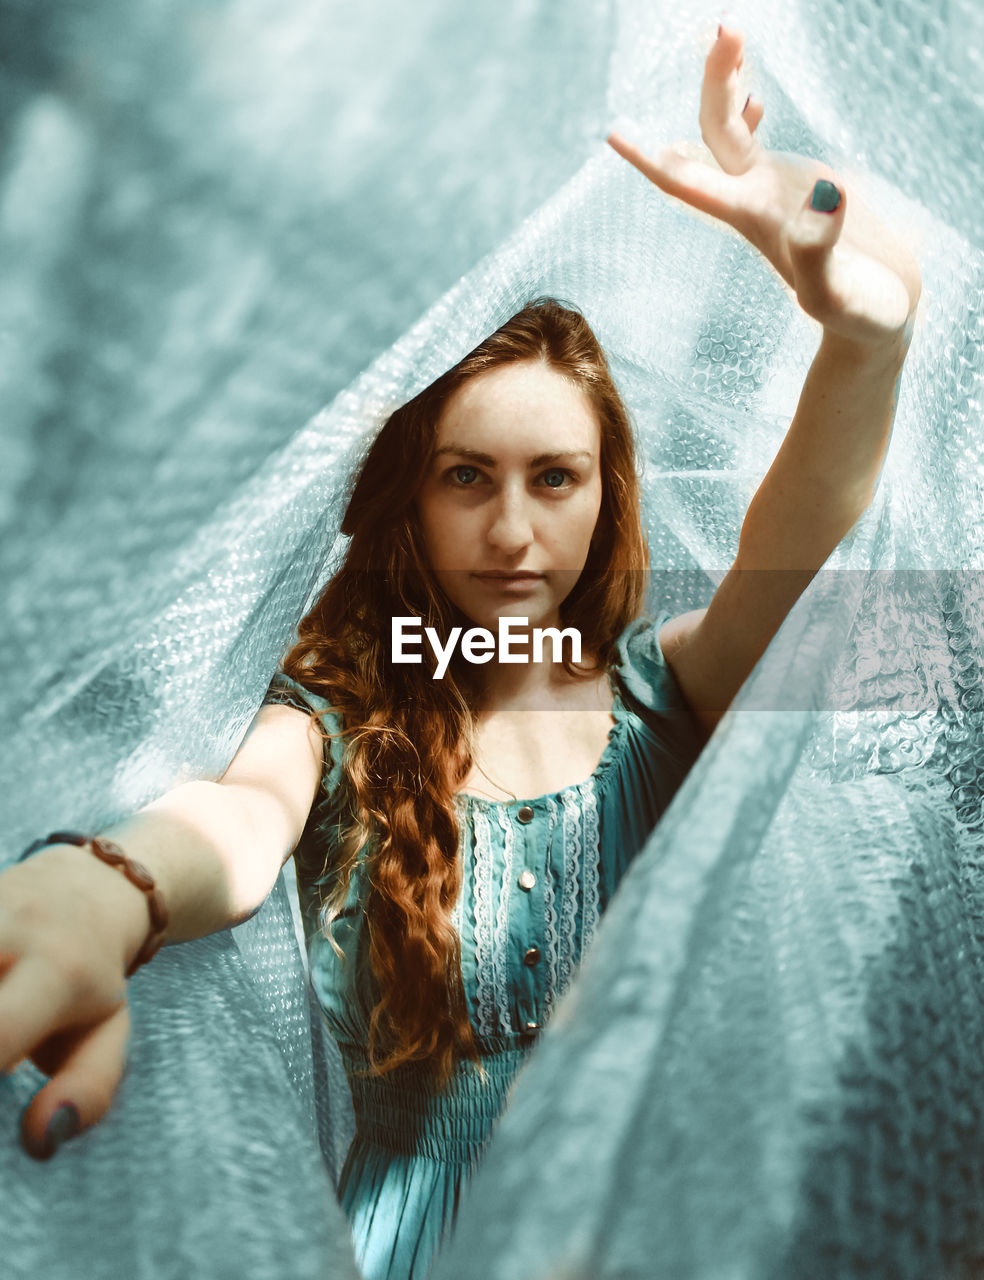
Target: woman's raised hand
847,269
67,928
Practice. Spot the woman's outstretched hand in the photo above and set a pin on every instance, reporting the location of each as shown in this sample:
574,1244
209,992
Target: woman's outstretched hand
64,941
847,269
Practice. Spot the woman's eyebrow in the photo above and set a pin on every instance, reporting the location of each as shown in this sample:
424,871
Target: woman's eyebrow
485,459
542,459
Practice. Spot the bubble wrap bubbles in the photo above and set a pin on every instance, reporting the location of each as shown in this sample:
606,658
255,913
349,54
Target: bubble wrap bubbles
770,1064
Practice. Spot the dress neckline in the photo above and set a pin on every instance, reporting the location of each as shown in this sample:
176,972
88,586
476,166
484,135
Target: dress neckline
608,757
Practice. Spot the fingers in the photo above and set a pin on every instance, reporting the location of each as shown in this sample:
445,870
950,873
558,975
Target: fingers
727,126
753,112
819,276
850,290
35,1001
81,1089
51,991
693,181
726,122
818,225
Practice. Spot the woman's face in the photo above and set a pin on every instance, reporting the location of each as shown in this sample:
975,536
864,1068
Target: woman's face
512,496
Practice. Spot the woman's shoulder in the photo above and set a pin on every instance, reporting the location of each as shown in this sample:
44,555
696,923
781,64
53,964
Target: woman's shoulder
643,672
285,690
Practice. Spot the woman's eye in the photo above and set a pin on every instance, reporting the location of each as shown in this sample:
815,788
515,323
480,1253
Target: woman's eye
556,478
465,475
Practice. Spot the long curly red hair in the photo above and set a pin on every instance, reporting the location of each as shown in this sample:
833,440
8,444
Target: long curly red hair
407,736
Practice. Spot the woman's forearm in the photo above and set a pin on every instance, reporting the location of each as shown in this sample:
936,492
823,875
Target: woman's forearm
825,473
821,481
207,847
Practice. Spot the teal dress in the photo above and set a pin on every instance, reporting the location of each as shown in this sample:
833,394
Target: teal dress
537,875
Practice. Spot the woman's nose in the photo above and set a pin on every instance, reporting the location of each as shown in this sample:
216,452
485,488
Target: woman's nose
512,528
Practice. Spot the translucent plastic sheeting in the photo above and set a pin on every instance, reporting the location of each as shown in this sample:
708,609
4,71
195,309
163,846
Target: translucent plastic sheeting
771,1063
211,219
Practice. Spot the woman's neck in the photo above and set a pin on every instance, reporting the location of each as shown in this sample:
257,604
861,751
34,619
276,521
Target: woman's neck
529,685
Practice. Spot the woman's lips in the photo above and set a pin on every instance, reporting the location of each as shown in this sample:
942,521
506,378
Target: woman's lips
512,582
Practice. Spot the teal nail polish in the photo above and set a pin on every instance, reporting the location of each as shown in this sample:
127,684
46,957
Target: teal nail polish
825,198
64,1124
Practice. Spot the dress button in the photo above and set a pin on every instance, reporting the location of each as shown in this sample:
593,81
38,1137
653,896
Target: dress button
532,957
524,813
527,880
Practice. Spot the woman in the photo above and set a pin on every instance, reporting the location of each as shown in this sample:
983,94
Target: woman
457,837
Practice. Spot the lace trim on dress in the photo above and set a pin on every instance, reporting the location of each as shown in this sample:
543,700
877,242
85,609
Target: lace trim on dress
492,923
484,949
569,887
571,899
458,910
500,950
591,863
550,934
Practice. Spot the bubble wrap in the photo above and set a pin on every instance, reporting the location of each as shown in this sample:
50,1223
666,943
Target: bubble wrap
771,1063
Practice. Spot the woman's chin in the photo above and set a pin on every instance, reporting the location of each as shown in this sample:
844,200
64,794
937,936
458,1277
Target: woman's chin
535,612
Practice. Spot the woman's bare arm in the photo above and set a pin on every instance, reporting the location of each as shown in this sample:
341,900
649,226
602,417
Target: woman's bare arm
70,924
819,485
214,848
861,282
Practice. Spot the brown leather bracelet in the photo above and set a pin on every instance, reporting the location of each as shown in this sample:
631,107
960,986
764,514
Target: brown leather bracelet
109,851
